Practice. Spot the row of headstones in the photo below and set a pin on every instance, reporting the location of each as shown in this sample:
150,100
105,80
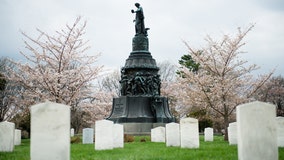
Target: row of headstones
50,133
9,136
233,134
184,135
258,132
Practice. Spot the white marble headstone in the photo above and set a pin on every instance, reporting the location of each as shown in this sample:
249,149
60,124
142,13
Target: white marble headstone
208,134
232,133
280,131
88,136
189,133
256,126
17,138
104,135
118,136
158,134
50,131
72,132
7,132
172,135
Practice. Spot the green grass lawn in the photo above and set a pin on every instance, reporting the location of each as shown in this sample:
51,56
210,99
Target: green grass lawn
137,150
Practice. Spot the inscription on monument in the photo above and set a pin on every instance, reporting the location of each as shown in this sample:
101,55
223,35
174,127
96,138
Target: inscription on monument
119,106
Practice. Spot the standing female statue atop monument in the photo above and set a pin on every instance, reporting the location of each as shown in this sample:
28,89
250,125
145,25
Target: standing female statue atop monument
139,20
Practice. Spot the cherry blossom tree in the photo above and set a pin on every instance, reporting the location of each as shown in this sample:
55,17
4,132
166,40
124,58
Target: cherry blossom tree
103,104
273,92
107,88
223,80
57,67
9,96
3,83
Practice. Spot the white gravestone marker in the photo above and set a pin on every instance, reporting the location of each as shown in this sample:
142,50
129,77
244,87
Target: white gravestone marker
172,135
256,126
118,136
158,134
72,132
50,131
7,132
104,135
232,133
280,131
208,134
189,134
17,138
88,136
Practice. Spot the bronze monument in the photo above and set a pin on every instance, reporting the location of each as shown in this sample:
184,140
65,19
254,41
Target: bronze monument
140,106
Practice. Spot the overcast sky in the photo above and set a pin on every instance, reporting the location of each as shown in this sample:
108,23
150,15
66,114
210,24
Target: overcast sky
110,28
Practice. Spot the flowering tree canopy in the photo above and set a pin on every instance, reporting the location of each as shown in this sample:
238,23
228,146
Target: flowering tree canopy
58,67
273,92
9,97
223,80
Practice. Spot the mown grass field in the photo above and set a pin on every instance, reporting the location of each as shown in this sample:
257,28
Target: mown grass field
219,150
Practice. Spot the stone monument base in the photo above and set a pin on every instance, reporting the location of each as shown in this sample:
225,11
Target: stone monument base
139,114
140,128
140,109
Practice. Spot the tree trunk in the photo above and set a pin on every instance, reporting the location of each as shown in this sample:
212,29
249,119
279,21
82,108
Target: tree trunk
226,125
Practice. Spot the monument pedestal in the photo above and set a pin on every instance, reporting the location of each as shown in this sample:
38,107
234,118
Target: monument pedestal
139,114
140,109
139,129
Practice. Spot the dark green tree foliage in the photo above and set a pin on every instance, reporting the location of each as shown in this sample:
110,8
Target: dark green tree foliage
187,61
